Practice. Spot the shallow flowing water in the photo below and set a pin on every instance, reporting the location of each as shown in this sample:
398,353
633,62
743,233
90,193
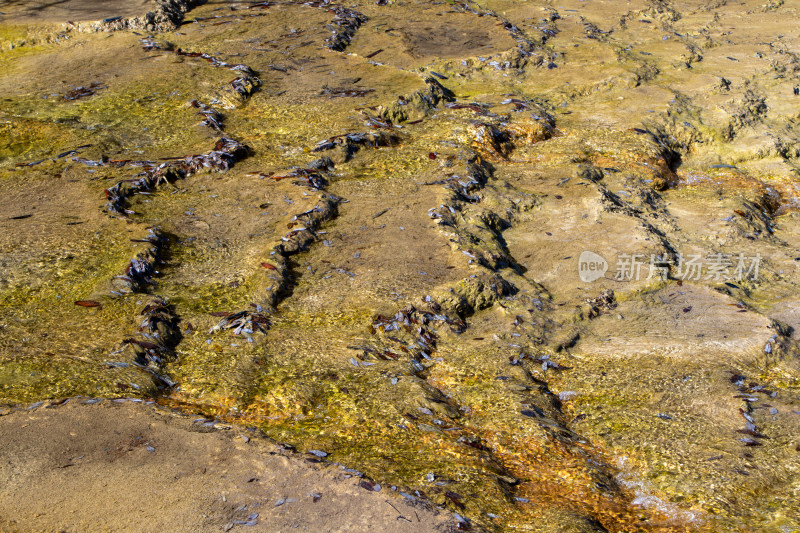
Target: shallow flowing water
535,262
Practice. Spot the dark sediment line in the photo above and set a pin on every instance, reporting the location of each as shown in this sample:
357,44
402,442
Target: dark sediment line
349,143
452,305
226,152
140,271
343,27
529,50
413,333
159,334
156,339
211,117
302,234
316,177
476,234
235,93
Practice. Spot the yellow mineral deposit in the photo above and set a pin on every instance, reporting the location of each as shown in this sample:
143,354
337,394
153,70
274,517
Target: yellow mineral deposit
357,226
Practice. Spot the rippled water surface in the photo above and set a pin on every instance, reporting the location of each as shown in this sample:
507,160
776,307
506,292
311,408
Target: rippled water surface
534,261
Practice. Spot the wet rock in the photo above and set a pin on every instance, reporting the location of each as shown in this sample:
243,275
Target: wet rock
345,146
419,104
344,26
166,17
141,270
474,294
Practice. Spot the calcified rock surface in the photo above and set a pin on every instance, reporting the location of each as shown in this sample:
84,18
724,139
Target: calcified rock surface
361,226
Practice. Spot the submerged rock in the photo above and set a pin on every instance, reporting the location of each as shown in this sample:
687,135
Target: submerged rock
542,271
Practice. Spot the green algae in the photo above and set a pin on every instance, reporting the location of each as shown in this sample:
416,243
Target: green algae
497,429
120,124
17,41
